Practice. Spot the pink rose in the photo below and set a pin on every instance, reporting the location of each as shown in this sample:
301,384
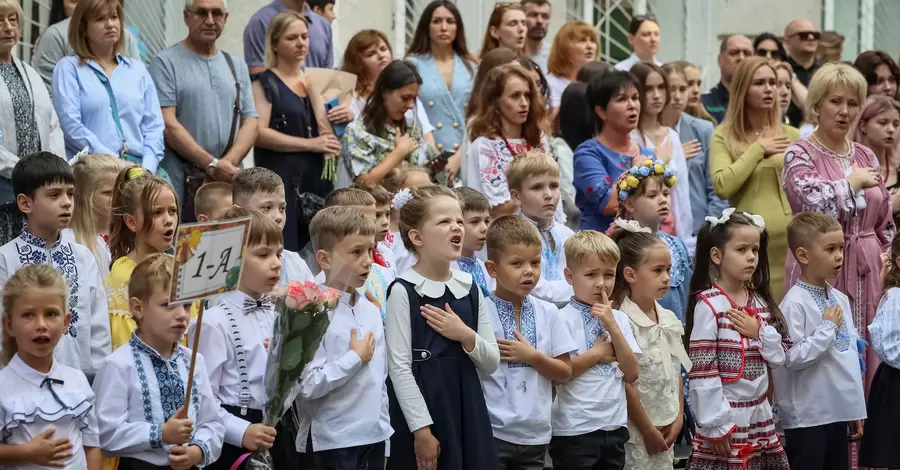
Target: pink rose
332,297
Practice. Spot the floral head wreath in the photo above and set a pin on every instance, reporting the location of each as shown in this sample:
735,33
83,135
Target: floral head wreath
401,198
756,219
631,179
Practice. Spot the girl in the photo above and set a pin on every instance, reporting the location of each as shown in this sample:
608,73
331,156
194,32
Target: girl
643,37
879,443
735,332
437,406
95,178
655,400
785,74
881,72
42,398
506,28
876,127
694,84
646,198
654,91
145,216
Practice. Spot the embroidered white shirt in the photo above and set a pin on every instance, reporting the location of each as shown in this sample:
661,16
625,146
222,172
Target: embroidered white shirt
87,341
595,400
138,391
518,397
884,331
552,286
293,268
232,341
821,381
345,402
33,402
104,260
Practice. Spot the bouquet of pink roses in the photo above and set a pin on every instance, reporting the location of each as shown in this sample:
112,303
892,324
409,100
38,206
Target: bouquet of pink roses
302,320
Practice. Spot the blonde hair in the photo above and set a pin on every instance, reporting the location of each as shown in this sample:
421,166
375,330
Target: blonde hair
560,63
332,224
209,196
90,171
510,230
486,120
136,189
276,30
530,164
829,77
583,244
152,273
32,276
263,230
17,9
349,197
415,211
735,127
495,21
698,111
830,42
395,179
85,12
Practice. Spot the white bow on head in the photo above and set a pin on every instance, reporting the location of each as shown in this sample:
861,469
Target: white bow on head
726,215
631,226
757,220
401,198
78,156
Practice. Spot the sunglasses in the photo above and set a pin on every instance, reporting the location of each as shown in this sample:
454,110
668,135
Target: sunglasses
808,35
217,13
769,54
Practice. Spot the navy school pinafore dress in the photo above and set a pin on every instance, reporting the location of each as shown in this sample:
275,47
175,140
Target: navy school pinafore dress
452,390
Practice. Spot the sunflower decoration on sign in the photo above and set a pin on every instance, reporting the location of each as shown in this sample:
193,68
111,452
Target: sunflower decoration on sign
189,242
631,179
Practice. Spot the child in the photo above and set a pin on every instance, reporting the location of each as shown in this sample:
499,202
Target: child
47,409
436,402
383,200
590,413
141,386
145,217
343,387
261,189
656,399
534,346
819,389
352,197
212,200
645,196
533,182
95,178
43,184
234,336
879,444
395,253
476,218
734,328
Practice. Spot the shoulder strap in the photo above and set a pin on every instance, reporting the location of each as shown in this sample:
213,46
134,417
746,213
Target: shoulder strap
237,103
115,108
241,356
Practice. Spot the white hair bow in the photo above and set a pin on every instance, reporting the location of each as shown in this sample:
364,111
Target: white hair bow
78,156
726,216
631,226
401,198
757,220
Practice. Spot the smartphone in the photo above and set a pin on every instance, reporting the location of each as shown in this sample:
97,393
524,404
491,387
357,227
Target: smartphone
337,128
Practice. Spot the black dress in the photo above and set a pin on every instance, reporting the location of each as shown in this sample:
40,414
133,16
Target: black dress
301,172
879,447
449,383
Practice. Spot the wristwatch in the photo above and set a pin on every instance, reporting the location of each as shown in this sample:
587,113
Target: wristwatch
212,167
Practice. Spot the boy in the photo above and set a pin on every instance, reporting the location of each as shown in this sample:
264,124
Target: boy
534,346
819,388
476,218
234,336
590,414
352,197
534,185
261,189
323,8
140,388
212,200
382,256
44,186
343,388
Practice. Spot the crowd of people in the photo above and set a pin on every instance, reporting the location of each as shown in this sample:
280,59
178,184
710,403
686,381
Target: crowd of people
544,260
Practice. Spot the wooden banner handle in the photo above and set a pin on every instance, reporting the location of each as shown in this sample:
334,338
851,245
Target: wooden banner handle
190,382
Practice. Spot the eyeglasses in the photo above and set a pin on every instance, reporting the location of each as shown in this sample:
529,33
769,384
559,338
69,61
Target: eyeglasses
203,13
808,35
768,53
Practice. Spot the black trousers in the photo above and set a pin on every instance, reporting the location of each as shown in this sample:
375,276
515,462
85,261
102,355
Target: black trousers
128,463
823,447
598,450
367,457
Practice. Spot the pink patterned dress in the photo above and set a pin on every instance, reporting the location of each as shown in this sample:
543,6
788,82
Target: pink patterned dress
814,180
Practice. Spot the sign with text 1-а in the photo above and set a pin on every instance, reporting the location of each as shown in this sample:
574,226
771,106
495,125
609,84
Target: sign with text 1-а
208,259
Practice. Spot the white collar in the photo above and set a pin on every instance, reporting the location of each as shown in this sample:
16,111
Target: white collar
30,375
460,283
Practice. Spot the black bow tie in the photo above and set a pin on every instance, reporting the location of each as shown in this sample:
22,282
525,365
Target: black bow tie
49,382
263,303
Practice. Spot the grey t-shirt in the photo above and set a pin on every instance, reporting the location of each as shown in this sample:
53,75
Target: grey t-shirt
202,91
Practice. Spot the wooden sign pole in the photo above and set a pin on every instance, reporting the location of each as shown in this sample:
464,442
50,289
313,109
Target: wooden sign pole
194,346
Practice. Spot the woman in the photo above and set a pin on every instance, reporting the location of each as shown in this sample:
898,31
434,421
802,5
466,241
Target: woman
509,120
831,47
830,174
383,137
600,161
785,76
876,128
881,72
747,155
28,122
643,36
294,135
440,54
769,46
105,101
694,106
653,88
506,28
575,45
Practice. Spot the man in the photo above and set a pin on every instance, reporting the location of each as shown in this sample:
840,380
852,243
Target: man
537,13
801,39
323,8
734,49
198,88
321,47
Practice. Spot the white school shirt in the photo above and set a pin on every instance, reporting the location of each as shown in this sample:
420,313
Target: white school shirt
595,400
29,407
821,381
396,255
104,261
552,286
557,86
631,60
232,340
87,340
519,399
293,268
138,391
345,402
884,331
398,331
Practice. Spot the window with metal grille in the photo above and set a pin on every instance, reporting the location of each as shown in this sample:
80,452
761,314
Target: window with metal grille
37,15
611,18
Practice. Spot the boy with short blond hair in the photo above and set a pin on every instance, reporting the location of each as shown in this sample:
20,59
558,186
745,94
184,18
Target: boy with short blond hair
534,346
344,388
590,414
476,217
533,181
349,197
212,200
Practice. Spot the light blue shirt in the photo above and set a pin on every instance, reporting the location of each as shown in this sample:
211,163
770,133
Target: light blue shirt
85,112
445,107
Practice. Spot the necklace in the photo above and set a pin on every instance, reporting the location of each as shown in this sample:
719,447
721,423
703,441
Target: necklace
832,153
